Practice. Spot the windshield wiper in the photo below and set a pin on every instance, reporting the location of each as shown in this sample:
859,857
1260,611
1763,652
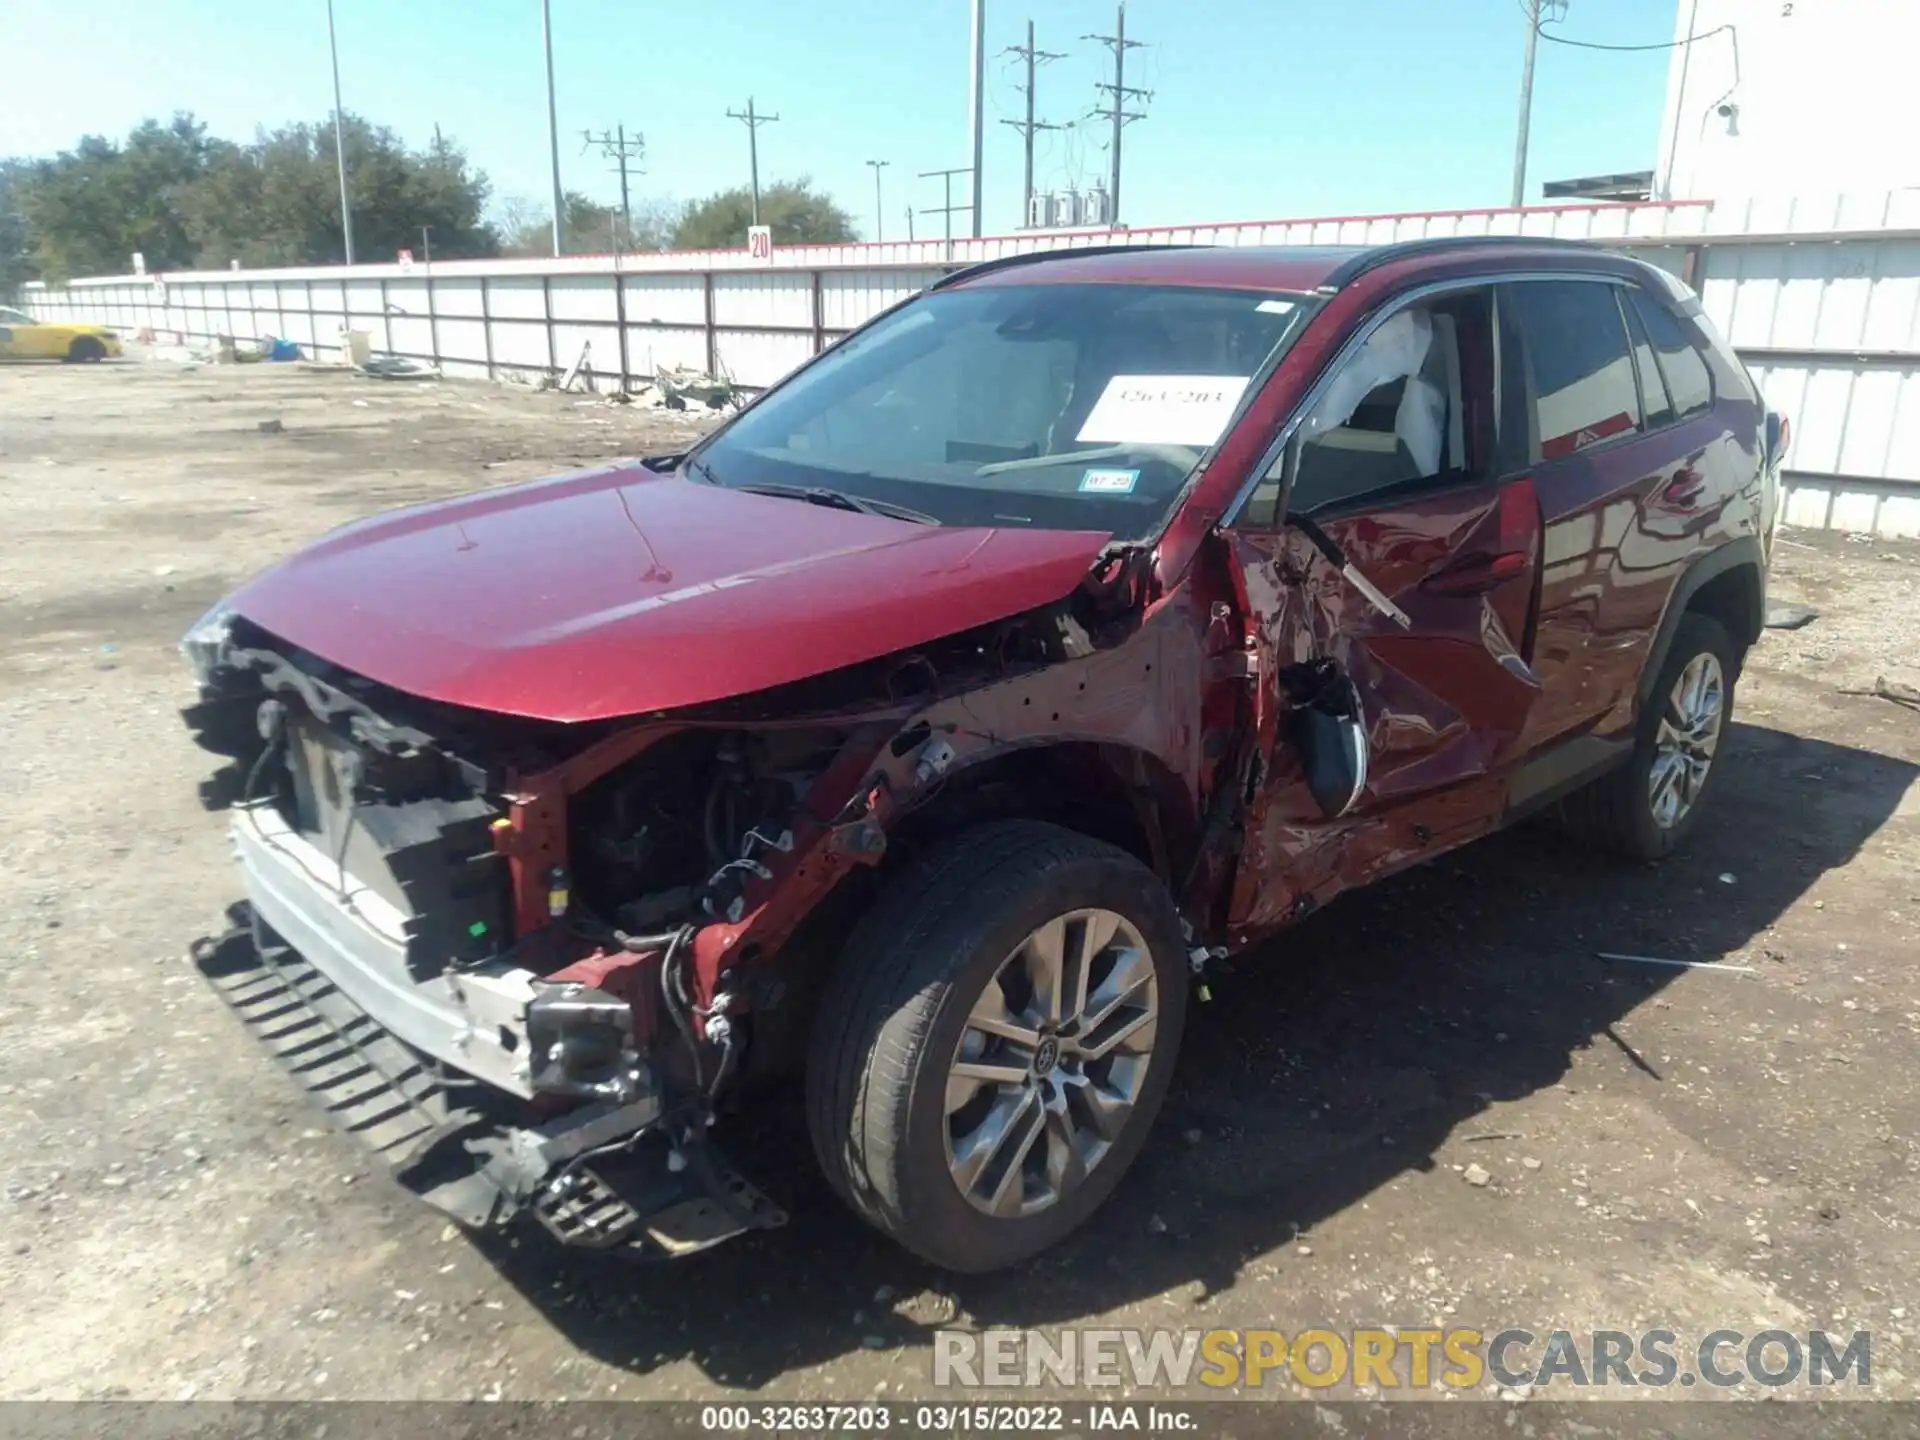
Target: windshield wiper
702,469
840,500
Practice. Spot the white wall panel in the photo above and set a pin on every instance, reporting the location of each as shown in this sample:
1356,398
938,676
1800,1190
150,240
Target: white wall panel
759,358
517,297
519,344
651,349
583,297
462,340
665,299
457,297
1825,311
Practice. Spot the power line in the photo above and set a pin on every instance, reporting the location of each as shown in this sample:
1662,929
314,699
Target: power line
1623,49
753,122
1029,126
1117,113
949,208
615,145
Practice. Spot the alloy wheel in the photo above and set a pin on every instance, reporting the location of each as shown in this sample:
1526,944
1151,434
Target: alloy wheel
1051,1063
1684,744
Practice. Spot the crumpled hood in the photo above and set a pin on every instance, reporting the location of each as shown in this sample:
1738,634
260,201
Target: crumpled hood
616,591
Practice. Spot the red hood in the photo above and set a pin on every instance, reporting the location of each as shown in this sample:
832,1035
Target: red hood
617,591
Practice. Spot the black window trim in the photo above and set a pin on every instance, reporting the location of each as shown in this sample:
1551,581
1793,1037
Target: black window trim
1629,314
1493,280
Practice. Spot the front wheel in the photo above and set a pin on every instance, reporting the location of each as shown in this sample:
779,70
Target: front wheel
85,350
1644,809
996,1041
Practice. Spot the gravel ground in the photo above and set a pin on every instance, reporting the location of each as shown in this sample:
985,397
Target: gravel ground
1693,1149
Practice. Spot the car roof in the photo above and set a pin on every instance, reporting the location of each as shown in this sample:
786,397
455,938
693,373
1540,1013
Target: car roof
1272,267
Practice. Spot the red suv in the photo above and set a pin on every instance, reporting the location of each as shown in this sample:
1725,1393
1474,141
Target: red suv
926,729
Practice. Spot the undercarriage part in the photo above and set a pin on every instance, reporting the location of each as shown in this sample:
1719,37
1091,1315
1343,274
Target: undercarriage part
600,1175
381,1091
640,1203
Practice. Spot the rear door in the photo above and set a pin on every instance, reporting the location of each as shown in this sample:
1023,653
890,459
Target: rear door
1623,489
1403,466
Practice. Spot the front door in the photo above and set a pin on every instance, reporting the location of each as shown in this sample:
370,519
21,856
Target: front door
1400,466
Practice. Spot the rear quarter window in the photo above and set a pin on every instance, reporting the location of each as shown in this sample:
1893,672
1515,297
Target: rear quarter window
1689,383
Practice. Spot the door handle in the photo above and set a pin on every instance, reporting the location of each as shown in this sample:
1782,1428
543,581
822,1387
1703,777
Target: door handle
1684,488
1477,574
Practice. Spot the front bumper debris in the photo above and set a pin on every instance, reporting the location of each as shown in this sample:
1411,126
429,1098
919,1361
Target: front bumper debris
600,1176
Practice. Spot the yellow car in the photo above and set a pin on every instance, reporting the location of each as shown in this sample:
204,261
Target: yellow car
24,338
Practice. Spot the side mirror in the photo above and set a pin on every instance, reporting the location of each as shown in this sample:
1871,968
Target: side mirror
1329,734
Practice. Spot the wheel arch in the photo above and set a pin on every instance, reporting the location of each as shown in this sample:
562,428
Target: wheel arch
1727,584
1104,789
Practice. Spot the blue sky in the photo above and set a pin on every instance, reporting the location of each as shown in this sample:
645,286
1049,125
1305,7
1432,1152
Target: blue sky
1261,108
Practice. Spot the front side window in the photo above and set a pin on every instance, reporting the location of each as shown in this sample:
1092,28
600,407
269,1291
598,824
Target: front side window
1057,406
1411,409
1579,372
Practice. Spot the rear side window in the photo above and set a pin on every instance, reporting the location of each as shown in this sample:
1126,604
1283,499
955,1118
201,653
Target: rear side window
1685,370
1580,374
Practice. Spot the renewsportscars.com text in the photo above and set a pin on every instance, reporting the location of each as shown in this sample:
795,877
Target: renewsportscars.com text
1389,1359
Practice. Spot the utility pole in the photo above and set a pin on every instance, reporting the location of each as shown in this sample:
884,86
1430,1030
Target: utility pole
615,146
753,123
947,209
1029,125
976,103
553,125
1117,112
878,226
426,244
339,139
1526,105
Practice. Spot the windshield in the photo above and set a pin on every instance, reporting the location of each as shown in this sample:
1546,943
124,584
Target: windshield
10,316
1061,407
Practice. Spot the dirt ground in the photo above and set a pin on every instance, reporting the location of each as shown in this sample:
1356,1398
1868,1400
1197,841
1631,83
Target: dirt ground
1694,1149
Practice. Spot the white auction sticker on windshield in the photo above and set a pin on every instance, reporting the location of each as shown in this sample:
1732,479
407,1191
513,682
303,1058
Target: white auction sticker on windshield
1163,409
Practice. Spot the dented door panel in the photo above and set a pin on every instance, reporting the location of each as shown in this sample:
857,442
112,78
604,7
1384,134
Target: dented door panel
1445,702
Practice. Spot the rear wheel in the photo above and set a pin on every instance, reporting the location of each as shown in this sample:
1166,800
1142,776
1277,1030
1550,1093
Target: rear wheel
996,1041
1646,807
85,350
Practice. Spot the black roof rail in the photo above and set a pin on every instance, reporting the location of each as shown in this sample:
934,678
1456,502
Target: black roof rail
1348,271
1029,257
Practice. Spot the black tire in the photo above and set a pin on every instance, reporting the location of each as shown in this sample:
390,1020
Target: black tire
897,1002
1616,812
85,350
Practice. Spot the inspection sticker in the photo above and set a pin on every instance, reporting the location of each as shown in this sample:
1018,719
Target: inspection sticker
1109,482
1163,409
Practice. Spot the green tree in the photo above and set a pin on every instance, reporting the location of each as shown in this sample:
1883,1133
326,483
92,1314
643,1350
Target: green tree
182,199
526,227
795,212
92,208
16,244
278,201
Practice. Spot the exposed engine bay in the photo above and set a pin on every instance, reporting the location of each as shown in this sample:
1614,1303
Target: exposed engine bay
568,927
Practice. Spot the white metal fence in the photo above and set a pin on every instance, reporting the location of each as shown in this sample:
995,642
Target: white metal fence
1820,297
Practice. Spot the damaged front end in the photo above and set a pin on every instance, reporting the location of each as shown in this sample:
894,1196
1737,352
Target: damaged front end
529,962
411,951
